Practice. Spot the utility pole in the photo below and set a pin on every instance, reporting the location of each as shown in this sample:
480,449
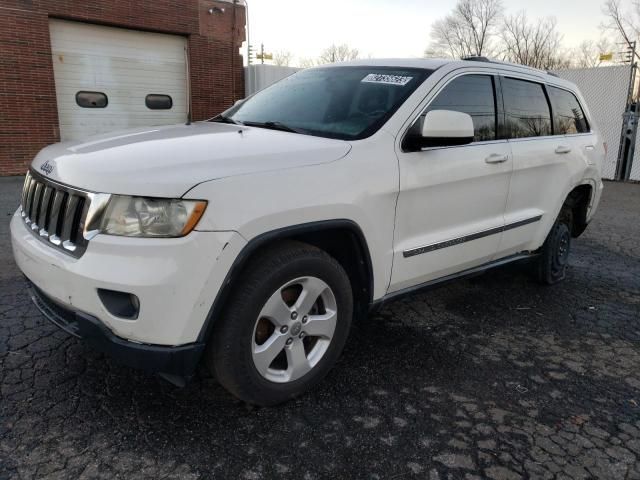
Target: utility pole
261,55
630,119
629,57
250,54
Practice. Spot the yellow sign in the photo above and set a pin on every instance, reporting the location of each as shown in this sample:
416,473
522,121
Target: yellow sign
606,57
266,56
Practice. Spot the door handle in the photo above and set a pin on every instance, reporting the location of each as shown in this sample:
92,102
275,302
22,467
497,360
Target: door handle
563,149
496,158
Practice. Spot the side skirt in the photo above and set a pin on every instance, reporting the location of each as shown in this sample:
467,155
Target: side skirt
377,304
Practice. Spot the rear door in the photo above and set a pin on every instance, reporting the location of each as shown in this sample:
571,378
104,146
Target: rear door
542,165
449,215
570,121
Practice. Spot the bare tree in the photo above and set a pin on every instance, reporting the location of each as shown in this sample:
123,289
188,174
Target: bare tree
467,31
624,24
338,53
306,62
587,54
282,58
535,44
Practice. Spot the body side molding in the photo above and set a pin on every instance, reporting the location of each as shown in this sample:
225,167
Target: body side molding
468,238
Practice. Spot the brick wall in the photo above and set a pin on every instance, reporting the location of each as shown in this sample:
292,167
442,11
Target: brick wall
28,113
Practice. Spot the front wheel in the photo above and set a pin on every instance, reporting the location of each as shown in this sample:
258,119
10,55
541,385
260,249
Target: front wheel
551,264
285,325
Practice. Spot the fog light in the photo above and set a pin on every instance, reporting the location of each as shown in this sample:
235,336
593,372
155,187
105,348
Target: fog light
120,304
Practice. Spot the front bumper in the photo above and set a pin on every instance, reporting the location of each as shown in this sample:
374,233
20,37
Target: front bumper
176,279
175,361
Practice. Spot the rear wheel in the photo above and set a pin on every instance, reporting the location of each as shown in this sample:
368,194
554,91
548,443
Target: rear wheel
551,264
285,325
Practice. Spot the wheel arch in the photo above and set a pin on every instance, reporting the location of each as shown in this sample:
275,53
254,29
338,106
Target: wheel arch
341,238
579,200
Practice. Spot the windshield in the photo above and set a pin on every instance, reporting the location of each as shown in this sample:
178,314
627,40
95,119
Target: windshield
348,103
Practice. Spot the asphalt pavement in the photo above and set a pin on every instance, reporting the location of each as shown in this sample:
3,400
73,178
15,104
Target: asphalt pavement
492,377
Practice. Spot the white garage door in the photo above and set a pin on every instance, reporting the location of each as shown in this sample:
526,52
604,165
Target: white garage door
113,78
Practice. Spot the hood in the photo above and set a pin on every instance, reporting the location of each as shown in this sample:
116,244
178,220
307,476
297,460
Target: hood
167,161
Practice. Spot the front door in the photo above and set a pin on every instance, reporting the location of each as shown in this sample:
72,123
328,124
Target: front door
450,212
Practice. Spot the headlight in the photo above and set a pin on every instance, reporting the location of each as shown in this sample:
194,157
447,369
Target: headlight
150,217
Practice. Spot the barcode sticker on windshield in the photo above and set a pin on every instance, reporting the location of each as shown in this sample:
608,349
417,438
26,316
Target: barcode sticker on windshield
387,79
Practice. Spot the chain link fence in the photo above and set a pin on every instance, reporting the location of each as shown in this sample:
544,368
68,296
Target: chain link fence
607,93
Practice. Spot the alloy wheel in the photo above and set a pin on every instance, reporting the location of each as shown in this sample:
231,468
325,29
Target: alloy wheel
294,329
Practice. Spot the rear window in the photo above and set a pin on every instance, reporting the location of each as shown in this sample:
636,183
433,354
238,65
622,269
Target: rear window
568,116
526,109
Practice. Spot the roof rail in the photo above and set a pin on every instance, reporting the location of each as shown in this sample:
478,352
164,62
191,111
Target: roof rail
476,59
488,60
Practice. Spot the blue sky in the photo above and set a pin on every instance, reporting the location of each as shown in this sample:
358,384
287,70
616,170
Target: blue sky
387,28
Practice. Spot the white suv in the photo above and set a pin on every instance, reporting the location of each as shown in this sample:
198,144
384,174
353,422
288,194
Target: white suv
253,239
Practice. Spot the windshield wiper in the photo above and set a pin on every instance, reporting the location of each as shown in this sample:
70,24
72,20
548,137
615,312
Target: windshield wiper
224,119
275,126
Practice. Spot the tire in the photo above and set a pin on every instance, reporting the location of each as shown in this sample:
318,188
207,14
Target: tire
551,264
272,304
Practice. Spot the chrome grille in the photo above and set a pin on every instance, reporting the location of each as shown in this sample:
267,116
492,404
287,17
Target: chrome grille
58,214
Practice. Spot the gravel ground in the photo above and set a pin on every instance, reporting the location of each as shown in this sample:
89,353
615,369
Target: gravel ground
493,377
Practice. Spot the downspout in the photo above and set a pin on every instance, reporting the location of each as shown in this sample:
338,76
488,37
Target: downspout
187,60
246,13
233,54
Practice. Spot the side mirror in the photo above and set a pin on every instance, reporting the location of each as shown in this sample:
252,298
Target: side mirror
239,102
443,128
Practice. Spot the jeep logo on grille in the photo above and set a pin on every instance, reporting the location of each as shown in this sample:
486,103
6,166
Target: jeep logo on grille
46,167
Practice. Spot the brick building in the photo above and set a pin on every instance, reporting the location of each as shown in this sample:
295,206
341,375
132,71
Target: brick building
69,68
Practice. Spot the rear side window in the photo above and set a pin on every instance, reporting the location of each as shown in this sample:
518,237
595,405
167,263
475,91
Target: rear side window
472,94
568,116
526,108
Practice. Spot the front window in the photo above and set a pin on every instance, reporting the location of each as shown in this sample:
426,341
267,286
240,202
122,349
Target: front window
474,95
348,103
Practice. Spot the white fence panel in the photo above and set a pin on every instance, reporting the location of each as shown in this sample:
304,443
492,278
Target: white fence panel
258,77
605,89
